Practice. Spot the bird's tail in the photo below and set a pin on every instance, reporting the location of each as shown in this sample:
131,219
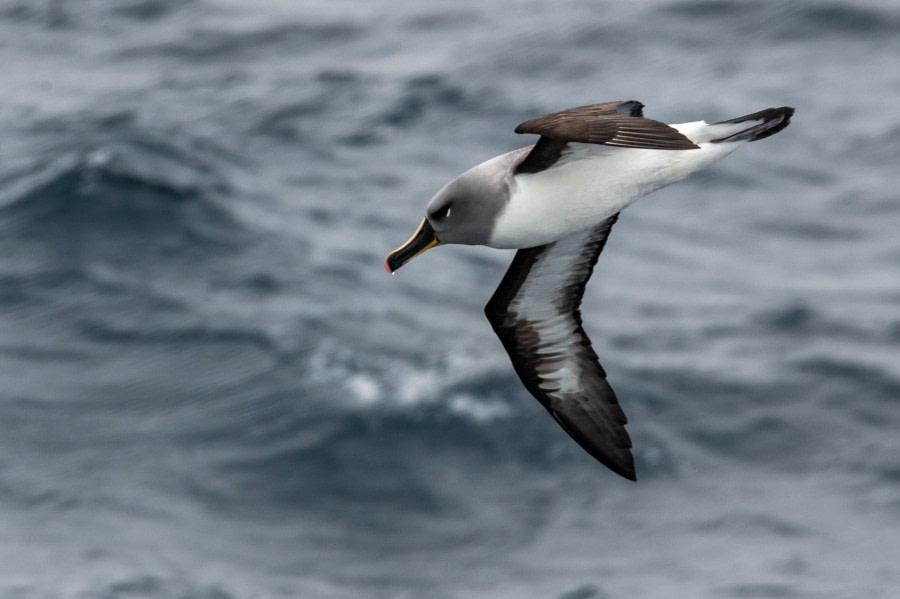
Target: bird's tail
751,127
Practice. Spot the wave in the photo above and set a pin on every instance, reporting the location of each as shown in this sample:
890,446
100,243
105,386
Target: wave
799,21
423,93
125,194
59,15
217,44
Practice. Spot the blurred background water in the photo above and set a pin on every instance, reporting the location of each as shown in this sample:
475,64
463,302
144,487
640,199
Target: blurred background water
210,388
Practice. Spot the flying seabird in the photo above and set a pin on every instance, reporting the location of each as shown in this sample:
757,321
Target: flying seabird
556,202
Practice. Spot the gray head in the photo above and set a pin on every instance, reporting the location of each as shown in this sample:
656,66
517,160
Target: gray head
463,211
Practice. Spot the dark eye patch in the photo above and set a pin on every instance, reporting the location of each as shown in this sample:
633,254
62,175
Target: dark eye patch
442,212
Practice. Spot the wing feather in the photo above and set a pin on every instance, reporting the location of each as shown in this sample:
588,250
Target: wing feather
537,316
619,124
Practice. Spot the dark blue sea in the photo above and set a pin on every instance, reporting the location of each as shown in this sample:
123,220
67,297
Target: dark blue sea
210,388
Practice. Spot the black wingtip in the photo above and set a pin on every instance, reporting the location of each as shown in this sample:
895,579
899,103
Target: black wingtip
623,464
631,108
611,450
619,461
774,120
629,474
624,468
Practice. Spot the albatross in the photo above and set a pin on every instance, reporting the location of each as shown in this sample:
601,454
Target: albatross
556,202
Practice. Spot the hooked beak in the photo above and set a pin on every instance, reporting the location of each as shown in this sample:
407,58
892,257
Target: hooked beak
424,238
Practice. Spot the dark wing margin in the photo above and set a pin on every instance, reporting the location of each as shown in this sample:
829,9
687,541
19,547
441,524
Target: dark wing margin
620,124
545,153
536,313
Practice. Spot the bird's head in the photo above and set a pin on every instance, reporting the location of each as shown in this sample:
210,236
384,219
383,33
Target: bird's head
462,212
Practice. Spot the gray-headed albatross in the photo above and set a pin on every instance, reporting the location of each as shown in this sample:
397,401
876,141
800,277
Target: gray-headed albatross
556,202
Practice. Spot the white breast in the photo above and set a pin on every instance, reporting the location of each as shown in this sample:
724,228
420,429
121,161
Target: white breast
591,184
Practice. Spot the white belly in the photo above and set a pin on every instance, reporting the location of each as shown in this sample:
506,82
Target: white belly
589,187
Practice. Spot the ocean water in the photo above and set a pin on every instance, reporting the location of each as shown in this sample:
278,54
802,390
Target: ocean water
209,388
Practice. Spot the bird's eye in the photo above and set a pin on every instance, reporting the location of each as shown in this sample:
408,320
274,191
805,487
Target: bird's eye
442,212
